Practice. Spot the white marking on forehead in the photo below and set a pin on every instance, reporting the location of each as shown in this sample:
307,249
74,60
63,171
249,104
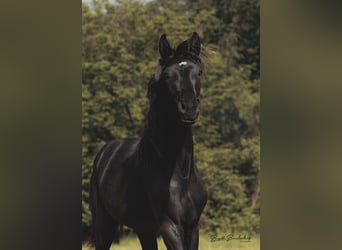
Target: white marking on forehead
182,63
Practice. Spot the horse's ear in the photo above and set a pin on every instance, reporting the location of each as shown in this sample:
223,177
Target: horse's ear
165,50
194,43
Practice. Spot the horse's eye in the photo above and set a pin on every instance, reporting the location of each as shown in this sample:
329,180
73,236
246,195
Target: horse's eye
166,77
200,73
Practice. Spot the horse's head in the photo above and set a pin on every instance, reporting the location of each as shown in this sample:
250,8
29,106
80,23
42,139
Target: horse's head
178,76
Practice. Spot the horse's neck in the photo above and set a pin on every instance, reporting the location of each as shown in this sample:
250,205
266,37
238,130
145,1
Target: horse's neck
172,143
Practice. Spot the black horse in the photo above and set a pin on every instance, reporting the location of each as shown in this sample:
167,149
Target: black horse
151,184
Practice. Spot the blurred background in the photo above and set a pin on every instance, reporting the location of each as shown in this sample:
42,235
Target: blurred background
119,55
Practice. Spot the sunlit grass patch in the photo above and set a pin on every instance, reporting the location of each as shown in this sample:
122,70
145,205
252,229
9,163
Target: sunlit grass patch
132,243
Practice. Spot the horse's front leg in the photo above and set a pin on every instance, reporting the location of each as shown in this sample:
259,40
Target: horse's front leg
172,234
191,237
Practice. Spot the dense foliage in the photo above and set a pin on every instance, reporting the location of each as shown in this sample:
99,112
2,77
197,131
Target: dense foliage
119,55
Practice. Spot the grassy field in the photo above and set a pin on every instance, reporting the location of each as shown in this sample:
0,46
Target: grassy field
132,243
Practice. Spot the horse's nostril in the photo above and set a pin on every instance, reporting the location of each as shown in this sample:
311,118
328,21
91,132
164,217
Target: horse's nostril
195,102
182,105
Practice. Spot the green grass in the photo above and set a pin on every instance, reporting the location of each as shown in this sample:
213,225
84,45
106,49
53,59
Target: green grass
132,243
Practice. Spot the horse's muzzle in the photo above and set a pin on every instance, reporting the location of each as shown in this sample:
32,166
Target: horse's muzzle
188,110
